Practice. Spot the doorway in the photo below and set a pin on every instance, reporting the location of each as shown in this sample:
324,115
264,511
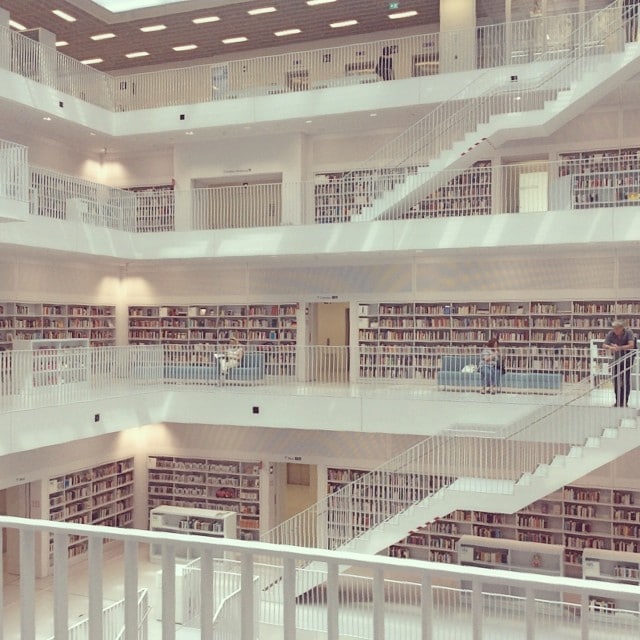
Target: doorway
328,331
294,489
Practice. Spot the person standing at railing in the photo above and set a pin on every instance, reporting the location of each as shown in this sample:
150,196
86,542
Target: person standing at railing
231,357
490,366
620,342
630,16
384,68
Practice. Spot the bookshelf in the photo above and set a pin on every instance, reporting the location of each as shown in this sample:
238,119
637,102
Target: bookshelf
192,333
590,532
468,193
155,208
339,196
101,495
604,178
405,339
210,484
53,363
21,321
190,522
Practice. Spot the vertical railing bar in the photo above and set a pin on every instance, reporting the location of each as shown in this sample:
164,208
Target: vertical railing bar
95,586
60,586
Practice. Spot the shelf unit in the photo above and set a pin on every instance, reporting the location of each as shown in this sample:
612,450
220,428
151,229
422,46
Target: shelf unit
191,522
100,495
155,208
193,333
339,196
580,523
468,193
350,518
601,178
511,555
21,321
612,566
406,339
210,484
53,363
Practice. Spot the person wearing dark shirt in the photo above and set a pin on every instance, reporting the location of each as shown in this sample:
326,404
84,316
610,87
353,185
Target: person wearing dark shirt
620,343
384,68
630,16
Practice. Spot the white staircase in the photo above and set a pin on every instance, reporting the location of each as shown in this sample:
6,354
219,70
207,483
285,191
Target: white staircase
555,446
509,110
504,496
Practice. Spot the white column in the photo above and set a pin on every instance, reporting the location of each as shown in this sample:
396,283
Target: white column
457,50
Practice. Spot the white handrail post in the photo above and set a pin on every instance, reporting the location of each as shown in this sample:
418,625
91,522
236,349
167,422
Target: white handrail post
168,592
96,630
247,622
60,586
333,603
131,590
27,584
289,599
206,594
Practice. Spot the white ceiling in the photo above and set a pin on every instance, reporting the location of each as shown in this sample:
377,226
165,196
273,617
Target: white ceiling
234,20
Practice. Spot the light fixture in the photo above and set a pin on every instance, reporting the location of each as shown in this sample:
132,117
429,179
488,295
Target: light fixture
344,23
403,14
205,20
313,3
257,12
61,43
153,27
308,121
137,54
185,47
234,40
286,32
17,25
373,115
188,133
47,118
103,36
92,61
63,15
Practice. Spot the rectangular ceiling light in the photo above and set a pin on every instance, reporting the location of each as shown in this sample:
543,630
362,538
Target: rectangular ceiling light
103,36
153,27
286,32
17,25
312,3
257,12
403,14
344,23
92,61
234,40
205,20
61,43
63,15
137,54
185,47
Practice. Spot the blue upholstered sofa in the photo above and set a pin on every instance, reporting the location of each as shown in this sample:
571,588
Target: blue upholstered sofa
250,370
452,377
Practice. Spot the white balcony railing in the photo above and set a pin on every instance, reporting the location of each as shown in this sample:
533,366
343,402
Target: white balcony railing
580,184
475,602
52,376
14,171
550,37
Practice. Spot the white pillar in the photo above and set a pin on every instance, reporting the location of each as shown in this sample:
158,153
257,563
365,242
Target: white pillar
457,50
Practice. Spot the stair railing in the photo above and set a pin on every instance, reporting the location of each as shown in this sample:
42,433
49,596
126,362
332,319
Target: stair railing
461,114
507,454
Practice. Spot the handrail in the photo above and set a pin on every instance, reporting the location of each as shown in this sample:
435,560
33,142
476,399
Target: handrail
454,193
437,463
423,141
486,46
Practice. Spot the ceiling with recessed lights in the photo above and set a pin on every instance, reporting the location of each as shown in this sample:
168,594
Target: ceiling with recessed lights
188,30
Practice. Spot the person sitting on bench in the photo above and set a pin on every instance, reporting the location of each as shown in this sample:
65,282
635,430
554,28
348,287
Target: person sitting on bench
231,357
